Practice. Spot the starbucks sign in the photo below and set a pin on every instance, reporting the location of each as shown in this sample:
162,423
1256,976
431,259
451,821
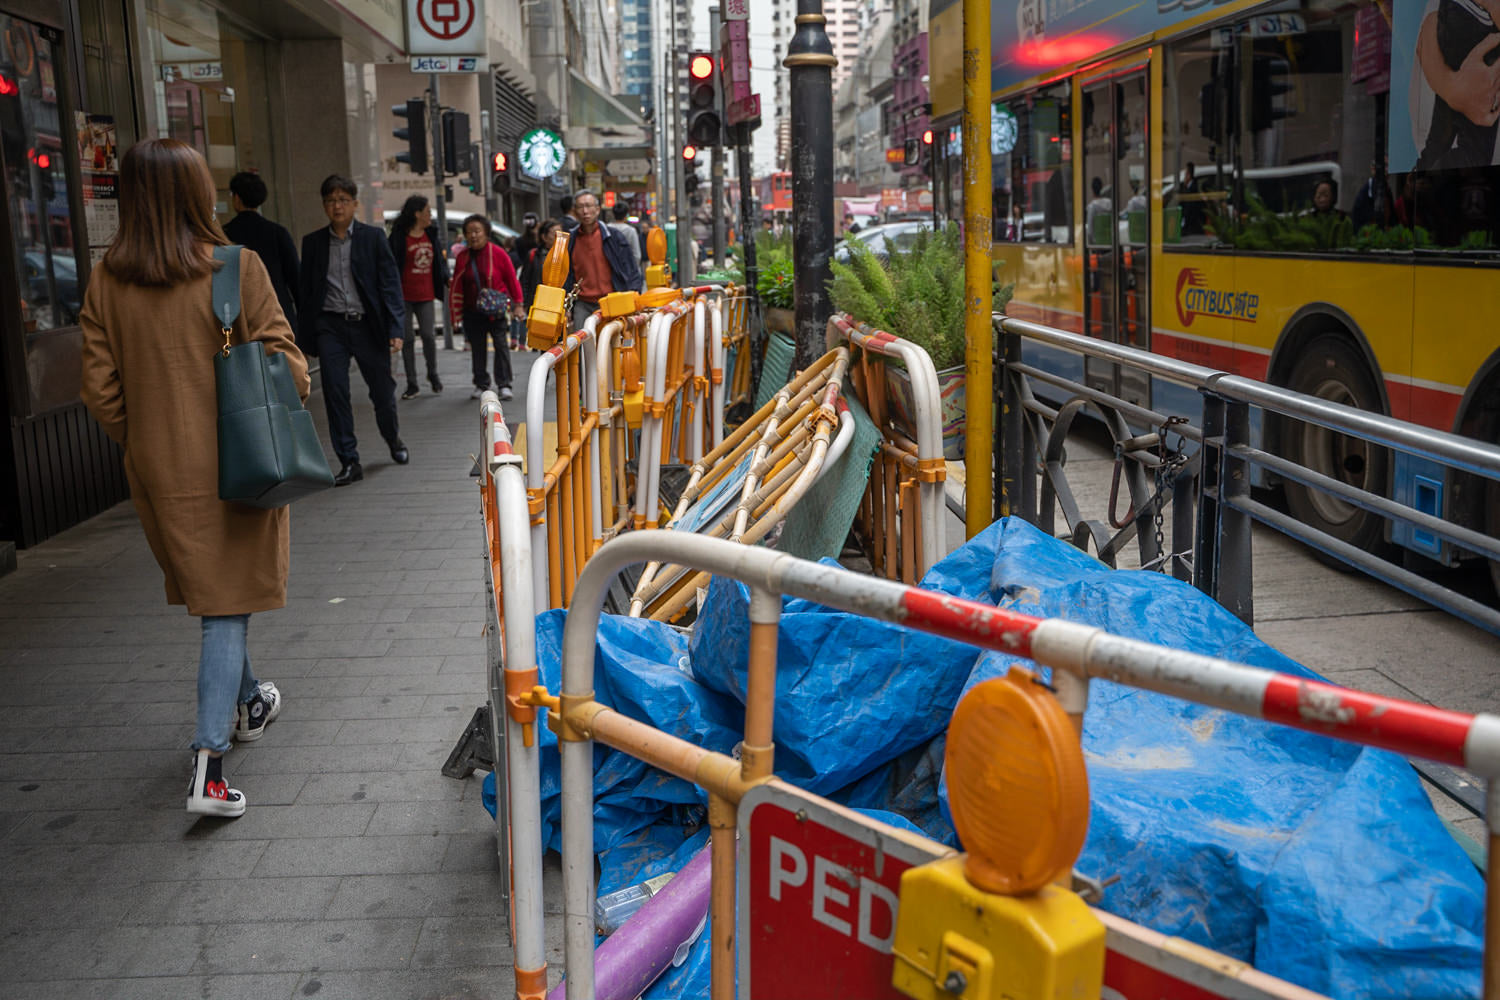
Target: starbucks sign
542,152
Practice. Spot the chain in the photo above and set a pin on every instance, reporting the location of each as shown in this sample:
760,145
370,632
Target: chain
1166,467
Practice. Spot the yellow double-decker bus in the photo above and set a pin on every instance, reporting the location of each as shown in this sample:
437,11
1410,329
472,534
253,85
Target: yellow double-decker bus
1305,192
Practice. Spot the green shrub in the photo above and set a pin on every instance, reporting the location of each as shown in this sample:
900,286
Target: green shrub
773,260
917,294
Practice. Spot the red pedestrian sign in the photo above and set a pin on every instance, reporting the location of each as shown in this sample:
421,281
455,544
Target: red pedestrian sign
817,890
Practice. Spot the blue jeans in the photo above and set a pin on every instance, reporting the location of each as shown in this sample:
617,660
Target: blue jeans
225,681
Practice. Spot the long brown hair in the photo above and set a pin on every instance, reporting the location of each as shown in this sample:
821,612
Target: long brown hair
166,214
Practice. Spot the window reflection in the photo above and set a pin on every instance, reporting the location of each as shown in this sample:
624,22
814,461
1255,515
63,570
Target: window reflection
35,182
1032,164
1278,142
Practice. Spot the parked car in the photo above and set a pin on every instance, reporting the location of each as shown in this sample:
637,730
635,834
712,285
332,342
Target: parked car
901,235
455,226
64,279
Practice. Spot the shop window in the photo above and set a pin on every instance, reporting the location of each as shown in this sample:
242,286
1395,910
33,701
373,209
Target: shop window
1032,163
31,134
1327,131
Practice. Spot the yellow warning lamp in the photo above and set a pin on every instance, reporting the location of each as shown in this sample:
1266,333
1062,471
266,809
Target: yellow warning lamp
994,924
658,274
547,322
1016,785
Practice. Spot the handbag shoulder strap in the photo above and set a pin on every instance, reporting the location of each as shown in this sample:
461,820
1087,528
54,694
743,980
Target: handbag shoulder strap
226,288
479,285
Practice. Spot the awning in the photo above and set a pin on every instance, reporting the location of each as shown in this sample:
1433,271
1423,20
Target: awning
597,122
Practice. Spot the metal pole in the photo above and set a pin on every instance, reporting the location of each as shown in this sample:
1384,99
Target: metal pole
483,169
979,327
685,259
749,232
440,208
811,60
716,190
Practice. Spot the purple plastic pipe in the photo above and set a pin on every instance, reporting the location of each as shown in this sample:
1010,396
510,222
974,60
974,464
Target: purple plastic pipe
634,956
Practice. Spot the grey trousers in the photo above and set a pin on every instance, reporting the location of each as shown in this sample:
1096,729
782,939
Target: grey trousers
423,313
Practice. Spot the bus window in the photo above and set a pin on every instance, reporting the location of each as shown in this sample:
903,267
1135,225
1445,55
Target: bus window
1279,139
1032,164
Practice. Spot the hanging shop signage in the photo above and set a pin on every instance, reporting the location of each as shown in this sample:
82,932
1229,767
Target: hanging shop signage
542,152
446,64
445,28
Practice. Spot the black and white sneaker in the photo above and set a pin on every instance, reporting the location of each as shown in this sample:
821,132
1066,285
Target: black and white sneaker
208,793
251,718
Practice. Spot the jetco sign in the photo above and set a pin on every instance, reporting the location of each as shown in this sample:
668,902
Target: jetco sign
445,28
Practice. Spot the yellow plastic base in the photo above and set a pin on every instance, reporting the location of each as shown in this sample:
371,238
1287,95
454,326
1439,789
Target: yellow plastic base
546,323
953,940
634,405
617,305
658,276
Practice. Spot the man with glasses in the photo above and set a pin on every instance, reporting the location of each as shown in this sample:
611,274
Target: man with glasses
350,303
600,261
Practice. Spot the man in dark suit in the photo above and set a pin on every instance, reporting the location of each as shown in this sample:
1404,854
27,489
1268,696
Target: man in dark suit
349,295
271,243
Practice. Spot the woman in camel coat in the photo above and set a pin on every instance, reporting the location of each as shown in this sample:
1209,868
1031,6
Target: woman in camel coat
149,339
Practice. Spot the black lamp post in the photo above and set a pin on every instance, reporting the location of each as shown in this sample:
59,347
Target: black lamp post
811,60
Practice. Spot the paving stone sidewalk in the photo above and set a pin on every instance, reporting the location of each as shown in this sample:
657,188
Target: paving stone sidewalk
358,871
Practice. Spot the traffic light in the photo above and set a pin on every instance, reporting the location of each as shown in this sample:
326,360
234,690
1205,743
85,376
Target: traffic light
1270,79
703,125
413,133
690,168
455,142
500,172
475,181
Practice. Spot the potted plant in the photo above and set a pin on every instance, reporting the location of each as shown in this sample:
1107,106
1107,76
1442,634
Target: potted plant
918,295
774,284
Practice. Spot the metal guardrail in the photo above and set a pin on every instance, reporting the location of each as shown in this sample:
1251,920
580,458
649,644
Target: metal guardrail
1205,477
1218,476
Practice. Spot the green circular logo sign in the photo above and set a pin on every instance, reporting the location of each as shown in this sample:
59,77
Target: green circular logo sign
1003,130
542,152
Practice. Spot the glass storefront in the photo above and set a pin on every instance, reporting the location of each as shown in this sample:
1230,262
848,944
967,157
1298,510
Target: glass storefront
31,132
210,80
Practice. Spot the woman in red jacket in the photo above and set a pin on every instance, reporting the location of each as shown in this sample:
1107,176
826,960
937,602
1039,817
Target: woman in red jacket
485,293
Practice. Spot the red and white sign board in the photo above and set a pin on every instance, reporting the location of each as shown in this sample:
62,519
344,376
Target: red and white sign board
817,894
445,28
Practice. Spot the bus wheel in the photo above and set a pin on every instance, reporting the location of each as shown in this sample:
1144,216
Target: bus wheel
1331,369
1492,526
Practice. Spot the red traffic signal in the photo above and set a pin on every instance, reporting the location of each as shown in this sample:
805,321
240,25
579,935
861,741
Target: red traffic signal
499,163
689,153
927,138
700,66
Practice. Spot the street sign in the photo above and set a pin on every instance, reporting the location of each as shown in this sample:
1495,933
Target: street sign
816,895
736,10
633,167
446,64
445,28
744,110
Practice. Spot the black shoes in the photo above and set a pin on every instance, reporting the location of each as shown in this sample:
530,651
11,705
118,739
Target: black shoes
399,454
437,384
350,473
412,391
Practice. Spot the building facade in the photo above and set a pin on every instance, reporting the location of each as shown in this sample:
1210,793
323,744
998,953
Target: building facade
293,89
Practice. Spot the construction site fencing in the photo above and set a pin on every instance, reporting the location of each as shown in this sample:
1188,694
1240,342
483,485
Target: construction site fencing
1075,653
901,519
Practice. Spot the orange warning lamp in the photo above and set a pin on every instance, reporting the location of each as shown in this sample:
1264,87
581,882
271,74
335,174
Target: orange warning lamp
1016,785
658,274
548,322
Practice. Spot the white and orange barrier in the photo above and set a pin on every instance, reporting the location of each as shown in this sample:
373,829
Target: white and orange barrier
901,519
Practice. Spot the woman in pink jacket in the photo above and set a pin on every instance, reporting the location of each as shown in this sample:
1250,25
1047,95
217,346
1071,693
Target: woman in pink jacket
484,292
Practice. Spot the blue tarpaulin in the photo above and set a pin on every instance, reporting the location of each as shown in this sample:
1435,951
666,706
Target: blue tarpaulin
1317,861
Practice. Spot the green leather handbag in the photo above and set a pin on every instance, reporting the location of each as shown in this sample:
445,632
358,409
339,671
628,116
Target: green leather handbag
269,452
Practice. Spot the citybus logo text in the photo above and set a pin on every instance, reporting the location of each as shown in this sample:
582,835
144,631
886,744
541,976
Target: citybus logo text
1195,298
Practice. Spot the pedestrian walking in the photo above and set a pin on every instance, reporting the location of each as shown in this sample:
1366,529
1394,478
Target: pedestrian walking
568,220
350,296
484,292
600,261
149,340
532,246
424,283
629,233
270,241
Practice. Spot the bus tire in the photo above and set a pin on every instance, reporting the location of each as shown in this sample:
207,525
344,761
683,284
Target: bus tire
1492,526
1331,368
